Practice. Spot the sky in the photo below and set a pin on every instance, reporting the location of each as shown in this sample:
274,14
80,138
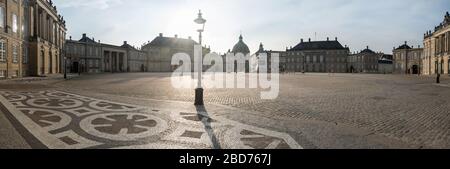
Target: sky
379,24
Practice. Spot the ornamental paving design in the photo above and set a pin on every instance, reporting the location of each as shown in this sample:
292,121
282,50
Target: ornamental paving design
61,120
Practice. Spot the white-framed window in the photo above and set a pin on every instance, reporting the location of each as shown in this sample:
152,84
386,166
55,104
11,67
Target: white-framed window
2,50
2,73
15,54
2,17
15,25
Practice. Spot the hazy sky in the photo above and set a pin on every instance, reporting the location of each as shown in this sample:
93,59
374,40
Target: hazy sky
381,24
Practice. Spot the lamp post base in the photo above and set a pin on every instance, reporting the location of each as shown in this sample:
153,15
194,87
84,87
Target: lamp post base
199,97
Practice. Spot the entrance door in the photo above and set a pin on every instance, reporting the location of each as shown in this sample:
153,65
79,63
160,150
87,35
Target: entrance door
42,68
415,69
114,62
50,64
75,67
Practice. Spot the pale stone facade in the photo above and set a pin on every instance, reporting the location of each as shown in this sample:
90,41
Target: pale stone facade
84,55
31,38
407,60
88,56
365,61
161,49
317,56
385,64
137,59
281,62
437,49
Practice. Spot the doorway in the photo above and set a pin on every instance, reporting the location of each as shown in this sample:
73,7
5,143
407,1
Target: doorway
75,67
415,69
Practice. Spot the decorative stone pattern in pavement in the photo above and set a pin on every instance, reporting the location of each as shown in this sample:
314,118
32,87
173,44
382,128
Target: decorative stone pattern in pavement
63,120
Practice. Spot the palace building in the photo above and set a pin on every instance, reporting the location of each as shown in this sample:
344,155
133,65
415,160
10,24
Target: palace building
317,56
407,59
437,49
161,49
32,37
366,61
89,56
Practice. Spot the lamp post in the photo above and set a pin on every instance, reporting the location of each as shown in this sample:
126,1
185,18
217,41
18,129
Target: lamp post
65,67
199,89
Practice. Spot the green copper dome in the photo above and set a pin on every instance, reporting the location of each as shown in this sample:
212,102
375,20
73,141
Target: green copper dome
241,47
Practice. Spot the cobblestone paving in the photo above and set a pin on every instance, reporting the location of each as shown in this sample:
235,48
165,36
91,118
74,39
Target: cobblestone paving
65,120
407,108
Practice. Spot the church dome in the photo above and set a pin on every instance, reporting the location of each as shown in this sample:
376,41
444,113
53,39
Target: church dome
241,47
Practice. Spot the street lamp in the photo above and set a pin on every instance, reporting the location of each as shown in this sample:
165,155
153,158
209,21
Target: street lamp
199,89
65,67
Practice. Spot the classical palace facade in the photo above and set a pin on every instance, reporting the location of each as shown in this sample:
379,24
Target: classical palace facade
89,56
437,49
317,56
365,61
161,49
407,59
32,37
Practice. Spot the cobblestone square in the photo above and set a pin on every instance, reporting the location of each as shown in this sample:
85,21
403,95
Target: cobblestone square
142,110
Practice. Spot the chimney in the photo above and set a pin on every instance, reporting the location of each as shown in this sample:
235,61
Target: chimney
367,47
98,41
328,38
336,38
301,40
309,40
160,35
406,42
125,42
176,36
93,39
84,35
70,37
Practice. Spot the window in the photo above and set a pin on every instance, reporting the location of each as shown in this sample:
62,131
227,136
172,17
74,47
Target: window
14,23
25,55
2,17
15,54
15,73
2,50
2,73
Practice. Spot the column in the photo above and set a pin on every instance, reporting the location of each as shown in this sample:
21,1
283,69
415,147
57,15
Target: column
448,42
